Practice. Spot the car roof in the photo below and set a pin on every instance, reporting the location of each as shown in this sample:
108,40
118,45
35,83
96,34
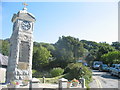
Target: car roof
104,64
118,65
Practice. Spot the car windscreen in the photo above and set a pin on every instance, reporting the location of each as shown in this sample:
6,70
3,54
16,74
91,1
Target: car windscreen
104,65
97,63
118,66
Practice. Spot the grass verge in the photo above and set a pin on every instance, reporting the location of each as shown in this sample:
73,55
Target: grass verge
53,80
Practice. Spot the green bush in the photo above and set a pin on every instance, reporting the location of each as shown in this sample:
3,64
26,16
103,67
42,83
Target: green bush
38,74
34,71
56,72
78,71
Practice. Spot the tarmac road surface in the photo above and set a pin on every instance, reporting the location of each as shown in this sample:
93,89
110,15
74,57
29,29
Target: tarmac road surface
104,80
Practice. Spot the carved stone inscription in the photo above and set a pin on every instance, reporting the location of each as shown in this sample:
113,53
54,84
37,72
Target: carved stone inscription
23,65
24,52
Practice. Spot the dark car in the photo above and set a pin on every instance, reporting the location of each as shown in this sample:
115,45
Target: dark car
103,67
112,67
116,70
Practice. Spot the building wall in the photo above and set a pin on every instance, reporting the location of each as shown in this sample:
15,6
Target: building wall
2,75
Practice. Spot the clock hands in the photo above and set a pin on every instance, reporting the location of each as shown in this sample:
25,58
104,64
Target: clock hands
26,25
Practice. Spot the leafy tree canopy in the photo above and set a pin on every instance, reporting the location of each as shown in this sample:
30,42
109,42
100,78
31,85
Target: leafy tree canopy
40,58
111,57
103,49
4,47
70,44
116,45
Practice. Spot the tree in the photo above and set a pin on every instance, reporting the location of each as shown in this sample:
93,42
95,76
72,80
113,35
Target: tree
92,55
68,49
116,45
62,58
92,49
96,50
89,44
4,47
56,72
77,71
71,44
40,58
103,49
49,47
111,57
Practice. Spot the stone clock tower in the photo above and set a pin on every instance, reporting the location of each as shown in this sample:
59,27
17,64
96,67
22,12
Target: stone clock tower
21,46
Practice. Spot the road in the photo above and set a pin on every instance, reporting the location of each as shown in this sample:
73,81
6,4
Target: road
104,80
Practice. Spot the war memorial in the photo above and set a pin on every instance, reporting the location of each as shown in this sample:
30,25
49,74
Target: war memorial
21,47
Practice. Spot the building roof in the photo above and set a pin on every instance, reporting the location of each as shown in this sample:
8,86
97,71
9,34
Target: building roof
3,60
25,15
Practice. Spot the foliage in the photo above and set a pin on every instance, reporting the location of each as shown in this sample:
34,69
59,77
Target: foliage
4,47
92,55
40,74
34,71
116,45
68,49
103,49
111,57
96,50
89,45
78,71
48,46
62,58
40,58
56,72
70,44
92,48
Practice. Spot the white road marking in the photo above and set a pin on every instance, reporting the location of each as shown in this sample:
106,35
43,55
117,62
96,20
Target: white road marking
98,83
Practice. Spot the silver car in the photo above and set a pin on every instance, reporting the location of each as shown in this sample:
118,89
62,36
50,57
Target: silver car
96,64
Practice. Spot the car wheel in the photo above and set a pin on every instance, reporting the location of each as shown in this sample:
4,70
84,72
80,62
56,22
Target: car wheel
99,70
111,73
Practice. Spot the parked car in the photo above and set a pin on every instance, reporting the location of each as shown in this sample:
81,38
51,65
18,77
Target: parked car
85,64
103,67
96,64
116,71
112,67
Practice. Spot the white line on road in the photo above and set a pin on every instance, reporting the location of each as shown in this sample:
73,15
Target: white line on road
98,82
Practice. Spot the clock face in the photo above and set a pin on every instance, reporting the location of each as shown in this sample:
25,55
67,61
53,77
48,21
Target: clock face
25,25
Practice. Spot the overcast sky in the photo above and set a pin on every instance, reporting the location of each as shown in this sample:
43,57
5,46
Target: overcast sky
95,21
